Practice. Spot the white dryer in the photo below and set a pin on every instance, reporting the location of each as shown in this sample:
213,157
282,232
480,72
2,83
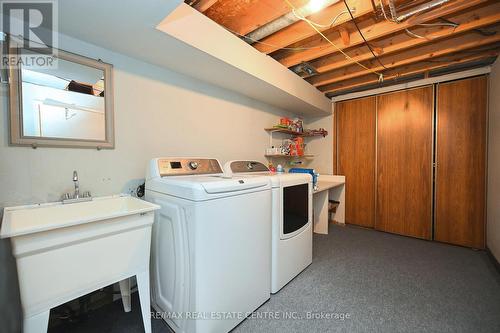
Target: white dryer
291,222
211,244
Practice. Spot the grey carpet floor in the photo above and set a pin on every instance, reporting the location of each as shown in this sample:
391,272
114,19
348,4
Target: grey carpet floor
364,281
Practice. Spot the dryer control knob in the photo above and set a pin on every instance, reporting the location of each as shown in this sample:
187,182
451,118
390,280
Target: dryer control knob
193,165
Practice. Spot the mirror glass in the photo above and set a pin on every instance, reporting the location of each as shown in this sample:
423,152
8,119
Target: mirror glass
68,103
64,102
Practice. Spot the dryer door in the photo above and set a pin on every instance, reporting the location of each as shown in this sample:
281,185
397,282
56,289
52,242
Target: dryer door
295,207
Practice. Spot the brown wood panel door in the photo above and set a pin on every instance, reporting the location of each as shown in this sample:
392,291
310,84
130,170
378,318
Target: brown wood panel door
461,162
404,162
356,158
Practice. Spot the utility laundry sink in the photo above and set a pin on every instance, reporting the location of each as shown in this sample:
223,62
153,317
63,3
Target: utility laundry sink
64,251
23,220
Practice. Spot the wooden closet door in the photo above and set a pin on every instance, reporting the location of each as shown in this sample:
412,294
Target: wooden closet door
404,162
461,162
356,158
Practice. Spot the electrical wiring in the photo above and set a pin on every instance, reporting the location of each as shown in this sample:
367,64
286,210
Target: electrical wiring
454,25
321,25
293,48
335,19
361,34
412,34
380,75
441,24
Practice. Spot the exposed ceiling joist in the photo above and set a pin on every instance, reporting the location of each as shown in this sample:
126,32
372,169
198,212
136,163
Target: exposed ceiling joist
413,69
204,5
301,30
243,17
345,36
449,46
372,31
475,19
432,28
287,19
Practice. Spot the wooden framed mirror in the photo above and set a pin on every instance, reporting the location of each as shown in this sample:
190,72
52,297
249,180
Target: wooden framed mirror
67,105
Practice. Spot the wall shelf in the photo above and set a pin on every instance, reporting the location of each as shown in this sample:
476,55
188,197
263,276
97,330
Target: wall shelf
289,156
305,134
294,133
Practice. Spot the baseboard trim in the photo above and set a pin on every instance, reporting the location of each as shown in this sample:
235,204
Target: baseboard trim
493,259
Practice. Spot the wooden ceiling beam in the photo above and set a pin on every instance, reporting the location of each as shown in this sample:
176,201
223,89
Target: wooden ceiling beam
244,17
371,30
475,19
413,69
456,44
344,35
301,30
204,5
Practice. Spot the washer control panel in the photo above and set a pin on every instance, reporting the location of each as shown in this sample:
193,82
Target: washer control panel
193,165
187,166
248,166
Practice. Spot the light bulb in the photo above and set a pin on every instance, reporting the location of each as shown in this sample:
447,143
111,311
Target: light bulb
315,5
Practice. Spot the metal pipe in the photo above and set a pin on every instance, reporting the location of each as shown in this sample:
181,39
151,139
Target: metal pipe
392,8
273,26
421,8
283,22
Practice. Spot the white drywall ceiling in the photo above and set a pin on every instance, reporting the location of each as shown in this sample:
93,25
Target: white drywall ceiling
129,27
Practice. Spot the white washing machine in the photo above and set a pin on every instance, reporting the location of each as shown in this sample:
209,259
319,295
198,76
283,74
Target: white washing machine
291,222
211,244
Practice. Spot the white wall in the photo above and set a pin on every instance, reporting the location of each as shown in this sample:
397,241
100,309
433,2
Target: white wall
243,65
493,224
322,148
51,120
158,112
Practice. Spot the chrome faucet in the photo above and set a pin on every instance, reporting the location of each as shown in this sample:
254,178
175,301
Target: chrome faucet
76,197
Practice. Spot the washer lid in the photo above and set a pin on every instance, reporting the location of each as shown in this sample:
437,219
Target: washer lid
201,188
236,184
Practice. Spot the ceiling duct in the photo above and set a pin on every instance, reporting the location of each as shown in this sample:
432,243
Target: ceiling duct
284,21
417,10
